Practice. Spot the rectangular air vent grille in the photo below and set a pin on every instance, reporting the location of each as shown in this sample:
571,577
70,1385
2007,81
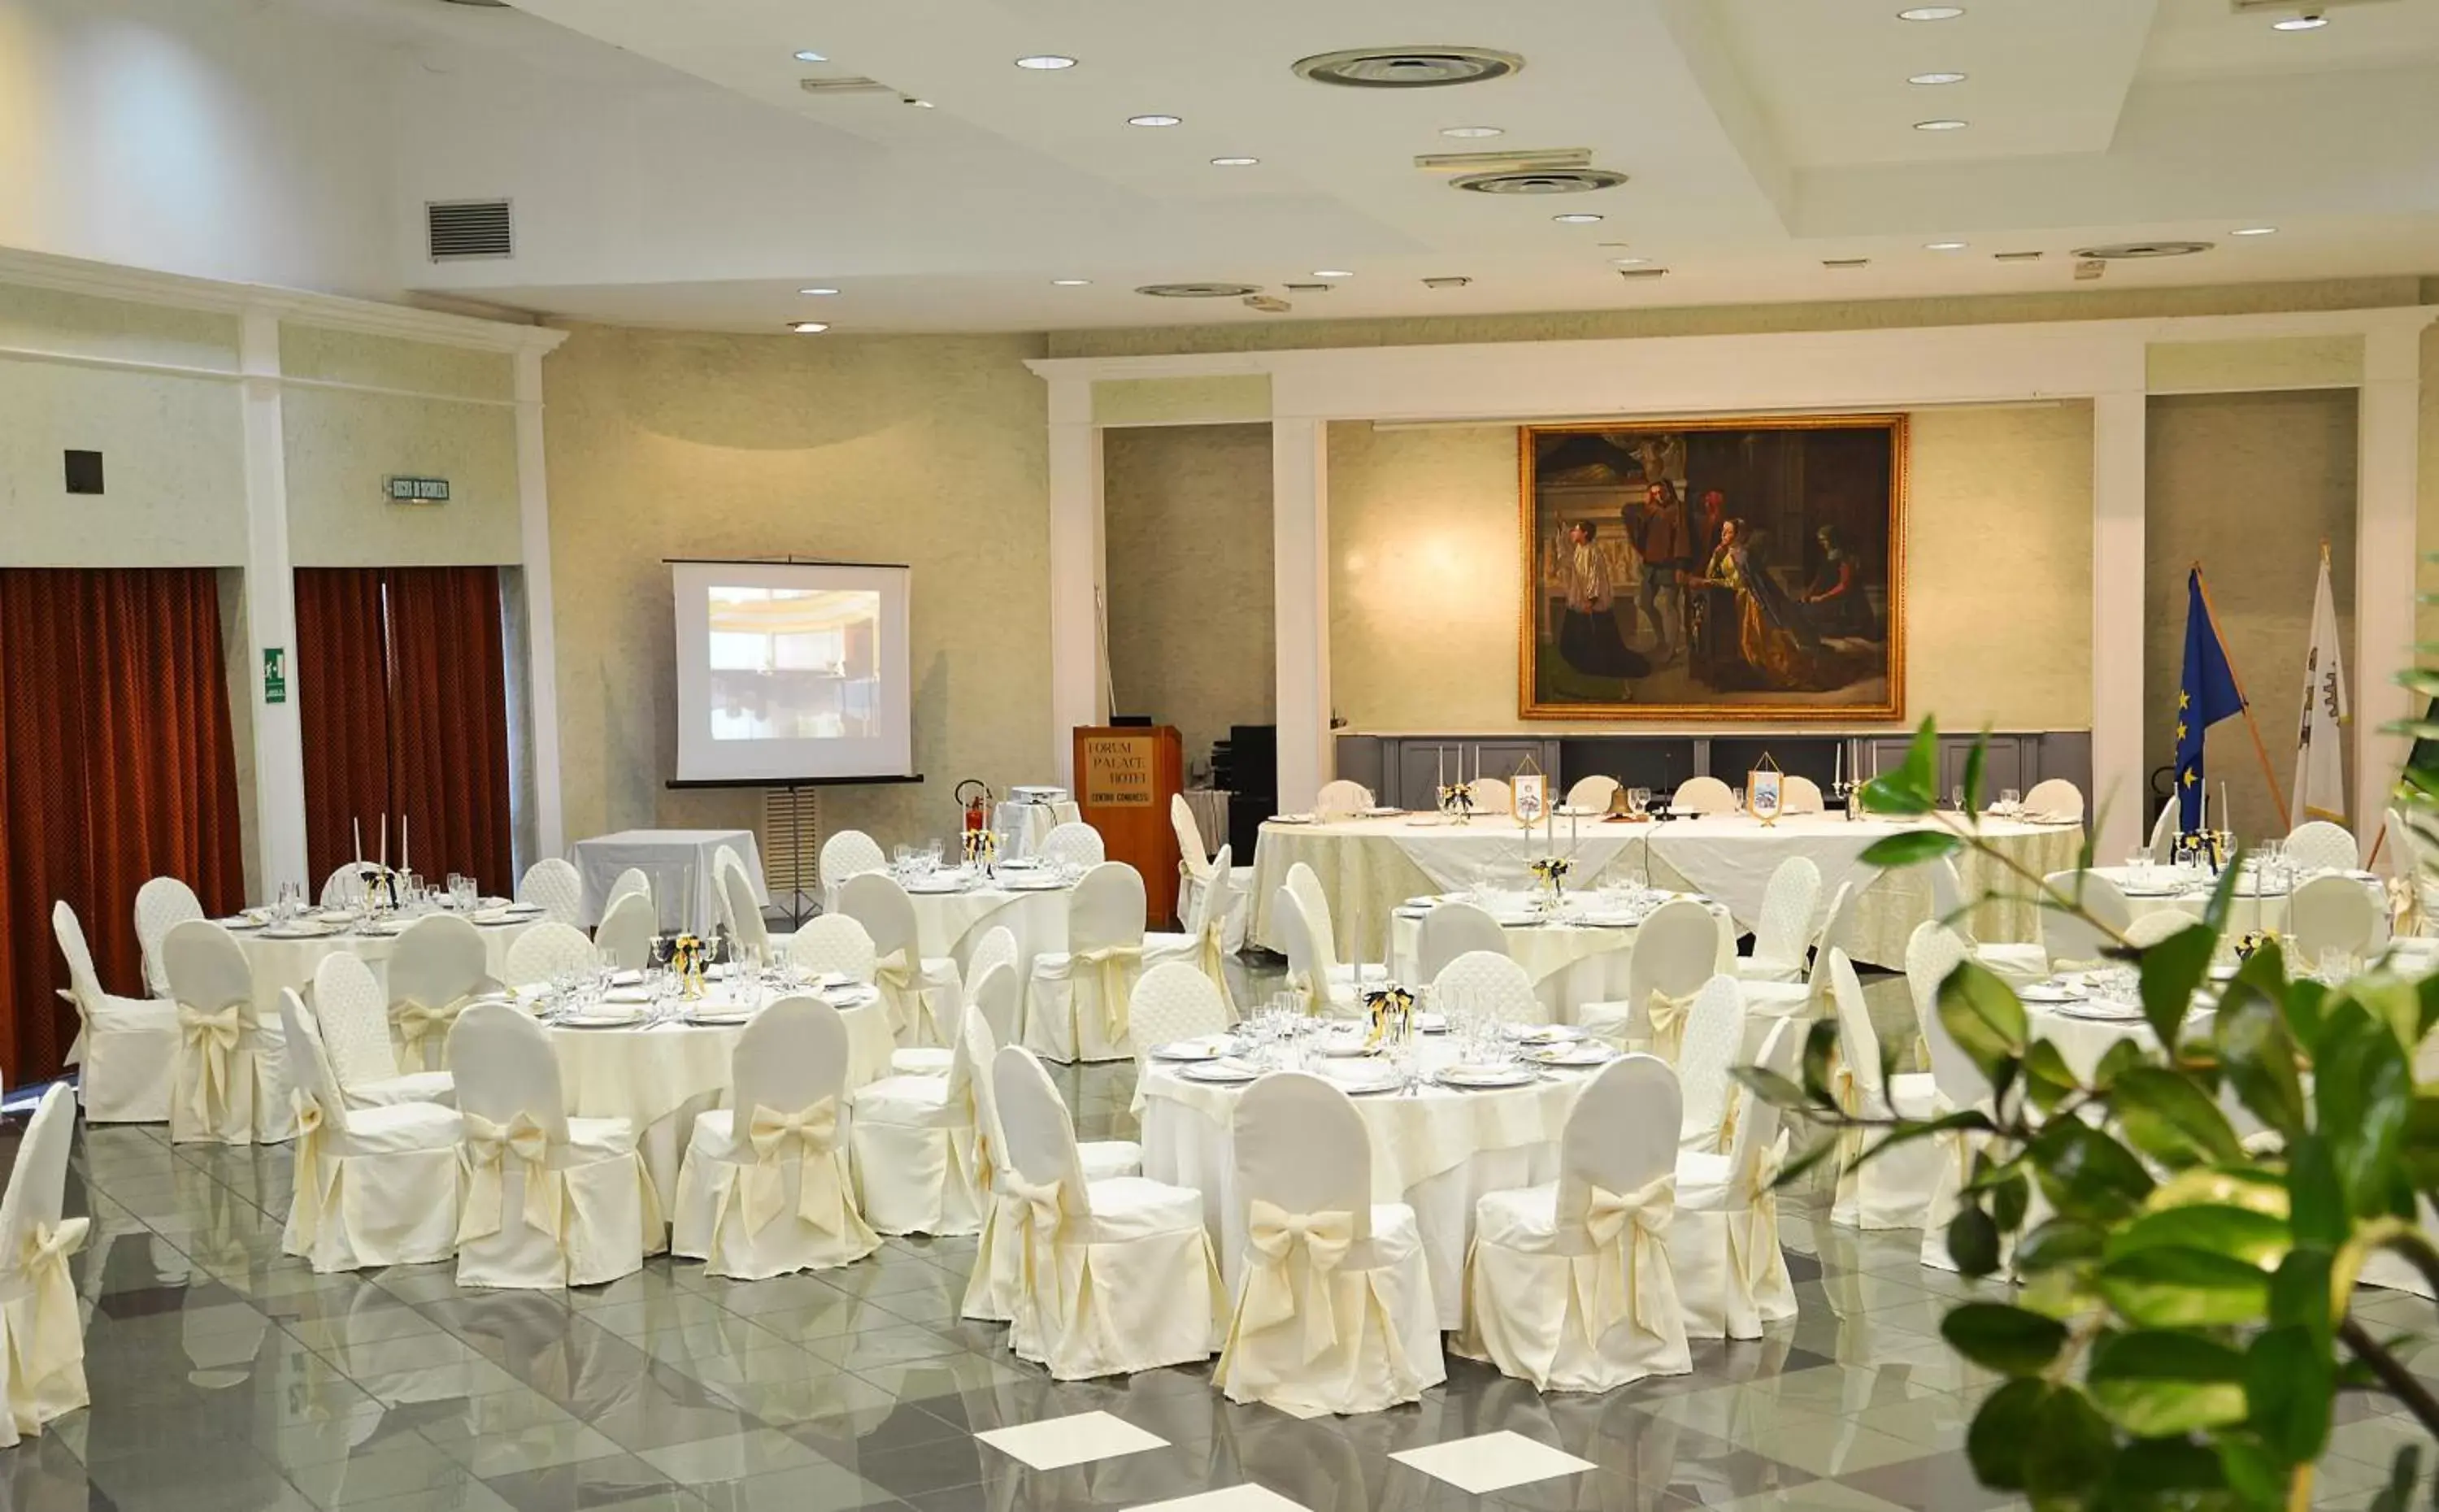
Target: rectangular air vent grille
459,230
853,85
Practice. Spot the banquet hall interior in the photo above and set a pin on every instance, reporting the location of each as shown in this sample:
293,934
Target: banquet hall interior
991,755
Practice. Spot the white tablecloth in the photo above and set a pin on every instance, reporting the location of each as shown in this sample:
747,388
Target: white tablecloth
290,962
953,924
1028,825
2251,909
1570,964
679,863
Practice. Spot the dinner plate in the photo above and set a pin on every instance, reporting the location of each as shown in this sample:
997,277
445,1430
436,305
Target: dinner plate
2134,890
1203,1049
1032,884
1382,814
932,886
1346,1046
1610,920
1221,1072
849,997
238,924
603,1019
1591,1054
1292,819
1486,1077
497,918
300,931
1554,1034
522,910
1373,1078
627,994
2103,1010
2047,992
721,1015
1431,1023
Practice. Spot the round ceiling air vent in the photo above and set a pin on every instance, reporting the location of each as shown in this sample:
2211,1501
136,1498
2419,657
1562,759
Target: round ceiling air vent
2143,249
1199,291
1542,181
1407,67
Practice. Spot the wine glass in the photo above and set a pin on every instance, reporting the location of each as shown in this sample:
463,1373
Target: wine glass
1638,801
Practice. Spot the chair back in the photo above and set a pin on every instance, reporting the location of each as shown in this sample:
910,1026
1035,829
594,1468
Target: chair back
439,960
1450,930
38,1185
554,883
1492,795
1074,843
723,858
2054,799
1594,793
979,1050
996,947
1040,1134
503,1065
1933,953
792,1055
1306,884
546,951
309,1064
344,887
161,903
833,942
625,937
1294,930
1786,904
1758,1119
2152,929
207,967
1676,951
2316,845
2332,914
1218,895
1859,1043
1107,908
1621,1135
1488,985
354,1020
1342,799
1301,1146
2164,834
2404,847
1837,920
1948,893
875,900
83,984
1171,1002
744,909
633,880
1715,1039
1800,795
851,853
1191,858
1703,795
997,993
2070,936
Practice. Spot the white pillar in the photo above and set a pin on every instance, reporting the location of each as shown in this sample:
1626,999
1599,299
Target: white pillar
2386,485
542,634
1079,691
2119,776
1300,548
271,613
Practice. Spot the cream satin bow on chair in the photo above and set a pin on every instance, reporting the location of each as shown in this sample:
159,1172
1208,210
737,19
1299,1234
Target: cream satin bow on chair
897,979
1211,954
1270,1296
213,1036
1037,1219
1627,1229
57,1331
810,1137
1109,964
1668,1016
1761,1228
417,1024
485,1155
316,1192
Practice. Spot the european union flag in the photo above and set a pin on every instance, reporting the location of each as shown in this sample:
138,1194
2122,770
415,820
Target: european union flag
2205,695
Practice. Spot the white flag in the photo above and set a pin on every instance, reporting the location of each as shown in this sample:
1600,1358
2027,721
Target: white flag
2320,755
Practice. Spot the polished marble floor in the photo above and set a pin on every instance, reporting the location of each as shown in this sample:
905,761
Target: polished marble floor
226,1377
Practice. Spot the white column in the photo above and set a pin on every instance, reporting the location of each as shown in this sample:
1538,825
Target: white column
2119,777
1078,690
1300,551
541,633
2386,485
271,613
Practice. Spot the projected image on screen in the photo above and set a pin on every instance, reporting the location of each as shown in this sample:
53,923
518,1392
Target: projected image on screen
793,664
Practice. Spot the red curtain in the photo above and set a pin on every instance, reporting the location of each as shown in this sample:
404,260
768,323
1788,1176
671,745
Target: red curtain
115,767
402,692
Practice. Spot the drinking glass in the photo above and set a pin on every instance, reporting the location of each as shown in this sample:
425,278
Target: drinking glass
2337,965
2011,800
290,900
1956,798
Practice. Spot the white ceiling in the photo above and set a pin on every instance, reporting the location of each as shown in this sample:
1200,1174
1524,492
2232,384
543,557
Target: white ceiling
668,169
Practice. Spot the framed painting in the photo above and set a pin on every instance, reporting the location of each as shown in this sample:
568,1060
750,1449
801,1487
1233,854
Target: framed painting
1714,569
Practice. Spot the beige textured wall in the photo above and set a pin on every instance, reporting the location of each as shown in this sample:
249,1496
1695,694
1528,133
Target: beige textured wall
930,451
1189,545
2249,485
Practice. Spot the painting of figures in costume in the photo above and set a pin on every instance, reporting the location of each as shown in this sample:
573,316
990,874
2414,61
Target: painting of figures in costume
1715,570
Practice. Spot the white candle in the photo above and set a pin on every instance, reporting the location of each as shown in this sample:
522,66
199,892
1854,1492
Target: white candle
357,825
1440,756
403,864
385,842
1838,766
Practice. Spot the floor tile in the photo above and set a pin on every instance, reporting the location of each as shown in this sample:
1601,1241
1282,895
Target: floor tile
731,1457
810,1489
1491,1462
1057,1442
1229,1499
616,1481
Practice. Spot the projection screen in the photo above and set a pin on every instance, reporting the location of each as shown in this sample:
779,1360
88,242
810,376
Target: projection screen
792,671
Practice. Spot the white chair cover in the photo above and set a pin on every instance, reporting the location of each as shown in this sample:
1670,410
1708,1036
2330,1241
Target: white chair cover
1076,1005
833,942
1896,1189
1595,793
776,1194
1723,1244
923,992
374,1185
1568,1284
1115,1275
439,966
2164,834
557,886
1311,945
2055,800
624,937
1784,932
1676,951
1714,1042
1837,920
1798,794
2151,928
1204,943
1492,795
353,1022
2316,845
1703,795
345,887
2070,941
724,908
743,911
2016,962
40,1320
1171,1002
1334,1310
850,853
996,947
1193,857
1453,929
161,903
126,1048
545,1200
546,951
917,1169
1074,843
634,880
2332,914
1932,954
1342,799
228,1085
1488,984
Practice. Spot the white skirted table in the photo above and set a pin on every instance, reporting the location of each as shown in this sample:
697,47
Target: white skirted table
679,863
1368,866
2161,889
286,956
1028,825
955,911
1583,959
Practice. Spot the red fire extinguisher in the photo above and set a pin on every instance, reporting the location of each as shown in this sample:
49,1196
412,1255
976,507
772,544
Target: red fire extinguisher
975,795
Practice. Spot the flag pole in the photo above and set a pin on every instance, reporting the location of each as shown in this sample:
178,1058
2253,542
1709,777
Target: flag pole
2260,749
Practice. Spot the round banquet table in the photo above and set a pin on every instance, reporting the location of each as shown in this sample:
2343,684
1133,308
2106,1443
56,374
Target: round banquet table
1437,1150
955,910
1028,825
289,961
2161,889
1368,866
1574,962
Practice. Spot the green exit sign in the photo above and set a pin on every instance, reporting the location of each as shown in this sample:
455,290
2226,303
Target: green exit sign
418,490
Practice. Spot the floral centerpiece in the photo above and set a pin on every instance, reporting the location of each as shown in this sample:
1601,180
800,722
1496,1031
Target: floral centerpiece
1393,1017
688,958
1552,873
981,848
1456,800
380,886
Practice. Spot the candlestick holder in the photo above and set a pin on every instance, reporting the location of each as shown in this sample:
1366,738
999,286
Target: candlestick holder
1456,801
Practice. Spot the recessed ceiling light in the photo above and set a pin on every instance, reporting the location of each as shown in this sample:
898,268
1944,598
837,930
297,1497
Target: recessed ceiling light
1943,246
1937,79
1576,218
1152,120
1333,272
808,328
1235,162
1069,283
808,55
2255,231
1931,12
1628,262
816,291
1047,62
1471,132
1941,126
2308,21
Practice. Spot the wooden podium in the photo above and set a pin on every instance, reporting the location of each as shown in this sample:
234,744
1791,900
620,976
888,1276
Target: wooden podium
1125,777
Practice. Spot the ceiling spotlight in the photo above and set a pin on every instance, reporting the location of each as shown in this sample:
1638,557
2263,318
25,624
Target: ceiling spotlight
1069,283
918,104
2255,231
806,328
1941,126
1469,133
1333,272
1235,162
1152,120
1628,262
1047,62
816,291
1936,78
1931,12
808,55
2304,21
1576,218
1943,246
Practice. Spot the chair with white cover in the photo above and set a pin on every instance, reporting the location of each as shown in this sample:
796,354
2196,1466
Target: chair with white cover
1933,953
1171,1002
1334,1310
375,1185
2157,928
1492,795
439,966
633,880
1568,1284
1317,966
2316,845
1488,985
546,951
161,904
227,1088
352,1017
1676,951
1074,843
1714,1044
42,1326
544,1200
1730,1273
1196,866
995,1278
1800,795
723,909
1204,942
913,1145
624,938
746,925
766,1188
2164,834
996,947
1342,799
1453,929
849,853
2332,914
833,944
2055,801
2016,961
345,887
2406,853
923,992
1593,794
1893,1190
2070,939
1076,1004
1703,795
1784,931
1115,1275
126,1048
555,886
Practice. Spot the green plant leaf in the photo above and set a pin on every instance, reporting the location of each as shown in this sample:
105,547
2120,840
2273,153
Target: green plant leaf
1820,1050
2299,1292
2177,1287
2419,1148
2071,1450
1983,1016
2289,1382
2253,1472
2362,1094
1921,767
2114,1062
2398,1495
2258,1238
2171,970
2166,1116
2009,1198
1890,795
2086,1174
2003,1429
1974,757
2158,1382
1974,1241
2316,1204
2002,1338
2257,1056
1910,847
2222,898
1773,1088
2048,1079
2060,1243
2150,1473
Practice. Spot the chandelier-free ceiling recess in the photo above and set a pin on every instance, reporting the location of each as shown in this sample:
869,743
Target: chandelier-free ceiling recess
1408,67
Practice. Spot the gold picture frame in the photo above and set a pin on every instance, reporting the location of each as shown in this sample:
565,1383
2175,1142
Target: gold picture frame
1797,615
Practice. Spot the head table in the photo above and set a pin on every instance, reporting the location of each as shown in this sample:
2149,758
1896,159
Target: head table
1369,866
